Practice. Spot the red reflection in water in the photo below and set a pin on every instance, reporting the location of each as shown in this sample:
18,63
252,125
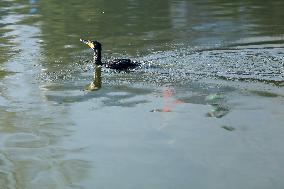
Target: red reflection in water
170,103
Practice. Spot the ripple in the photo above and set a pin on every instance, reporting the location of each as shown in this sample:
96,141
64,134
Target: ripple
260,65
74,170
26,140
7,180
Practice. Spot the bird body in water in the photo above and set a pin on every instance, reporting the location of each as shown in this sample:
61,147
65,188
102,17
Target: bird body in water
117,64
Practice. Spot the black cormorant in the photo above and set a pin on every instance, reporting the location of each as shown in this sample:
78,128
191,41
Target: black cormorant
118,64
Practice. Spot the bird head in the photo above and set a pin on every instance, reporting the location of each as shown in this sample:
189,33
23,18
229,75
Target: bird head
95,45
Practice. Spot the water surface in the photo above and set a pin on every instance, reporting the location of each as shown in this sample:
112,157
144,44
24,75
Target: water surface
205,108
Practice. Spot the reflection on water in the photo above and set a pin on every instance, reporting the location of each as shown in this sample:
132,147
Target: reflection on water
96,84
208,67
32,154
169,103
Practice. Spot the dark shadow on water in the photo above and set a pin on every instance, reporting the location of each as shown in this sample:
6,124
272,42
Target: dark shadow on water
279,83
265,93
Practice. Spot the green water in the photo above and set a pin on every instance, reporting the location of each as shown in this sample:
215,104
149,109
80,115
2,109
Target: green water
204,110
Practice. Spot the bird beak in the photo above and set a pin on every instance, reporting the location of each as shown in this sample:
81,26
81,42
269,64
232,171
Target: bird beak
88,42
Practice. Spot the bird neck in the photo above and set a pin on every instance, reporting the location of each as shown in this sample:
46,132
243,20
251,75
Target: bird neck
97,57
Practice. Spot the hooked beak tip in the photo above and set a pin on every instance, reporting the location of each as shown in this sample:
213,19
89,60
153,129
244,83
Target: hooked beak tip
82,40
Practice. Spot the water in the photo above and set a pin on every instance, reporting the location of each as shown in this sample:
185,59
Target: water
205,108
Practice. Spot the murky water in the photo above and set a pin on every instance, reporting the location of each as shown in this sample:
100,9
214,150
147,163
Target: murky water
205,109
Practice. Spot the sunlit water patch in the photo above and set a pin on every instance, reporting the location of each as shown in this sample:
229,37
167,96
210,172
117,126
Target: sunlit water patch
30,152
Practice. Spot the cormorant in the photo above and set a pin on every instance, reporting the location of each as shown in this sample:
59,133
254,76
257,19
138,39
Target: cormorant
118,64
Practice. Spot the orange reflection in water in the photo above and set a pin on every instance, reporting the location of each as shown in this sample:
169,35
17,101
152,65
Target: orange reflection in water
169,101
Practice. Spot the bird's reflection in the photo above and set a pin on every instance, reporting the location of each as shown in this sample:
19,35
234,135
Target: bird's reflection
96,84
